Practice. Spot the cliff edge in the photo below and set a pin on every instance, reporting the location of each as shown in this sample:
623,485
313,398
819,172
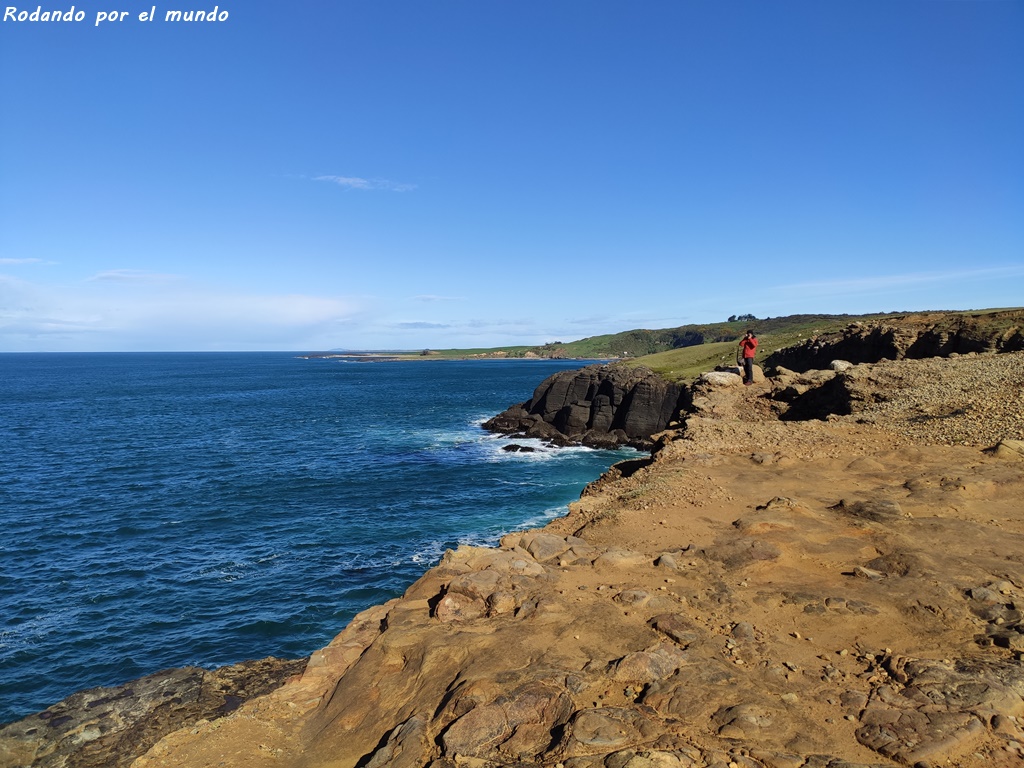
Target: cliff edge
823,570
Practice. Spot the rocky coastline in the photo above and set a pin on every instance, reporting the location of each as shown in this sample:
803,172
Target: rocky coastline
600,406
824,570
109,727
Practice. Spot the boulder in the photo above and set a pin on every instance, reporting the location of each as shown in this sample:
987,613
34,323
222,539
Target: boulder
544,546
455,607
516,448
600,406
1010,449
745,721
519,724
608,728
719,379
677,627
655,663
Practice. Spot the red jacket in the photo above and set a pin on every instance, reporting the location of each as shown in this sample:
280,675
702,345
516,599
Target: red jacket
749,347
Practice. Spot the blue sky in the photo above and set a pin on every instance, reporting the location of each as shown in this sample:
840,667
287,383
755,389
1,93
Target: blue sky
453,173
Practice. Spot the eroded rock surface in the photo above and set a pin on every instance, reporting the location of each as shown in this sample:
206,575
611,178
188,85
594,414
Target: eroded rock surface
109,727
938,334
761,594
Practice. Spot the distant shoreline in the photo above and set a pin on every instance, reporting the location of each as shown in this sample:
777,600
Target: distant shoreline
398,357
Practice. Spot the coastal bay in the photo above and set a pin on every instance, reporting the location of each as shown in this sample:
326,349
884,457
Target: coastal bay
762,593
171,510
831,590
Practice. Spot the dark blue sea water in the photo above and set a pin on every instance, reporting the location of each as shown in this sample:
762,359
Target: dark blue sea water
158,510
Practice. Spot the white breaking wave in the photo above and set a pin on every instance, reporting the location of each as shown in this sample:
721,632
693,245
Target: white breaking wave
543,518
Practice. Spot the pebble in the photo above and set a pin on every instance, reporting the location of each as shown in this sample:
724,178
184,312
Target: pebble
979,397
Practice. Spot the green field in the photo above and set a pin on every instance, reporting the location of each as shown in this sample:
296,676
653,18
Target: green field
647,344
680,354
686,363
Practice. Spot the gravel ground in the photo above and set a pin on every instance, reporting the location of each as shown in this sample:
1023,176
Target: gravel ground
974,400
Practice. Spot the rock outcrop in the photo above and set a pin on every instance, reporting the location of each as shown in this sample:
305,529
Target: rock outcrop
110,727
915,337
844,592
599,406
759,594
934,400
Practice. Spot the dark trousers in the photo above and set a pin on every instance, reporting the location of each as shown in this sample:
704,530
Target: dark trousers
748,369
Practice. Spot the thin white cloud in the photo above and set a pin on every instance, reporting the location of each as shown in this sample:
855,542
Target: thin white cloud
417,325
133,276
887,282
355,182
179,317
627,321
6,262
431,297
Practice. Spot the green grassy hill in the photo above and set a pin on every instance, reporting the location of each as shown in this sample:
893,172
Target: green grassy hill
687,362
775,334
682,353
640,342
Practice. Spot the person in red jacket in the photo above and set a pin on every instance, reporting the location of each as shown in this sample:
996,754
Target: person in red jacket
748,348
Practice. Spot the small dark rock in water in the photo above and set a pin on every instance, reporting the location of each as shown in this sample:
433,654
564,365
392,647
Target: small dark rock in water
515,448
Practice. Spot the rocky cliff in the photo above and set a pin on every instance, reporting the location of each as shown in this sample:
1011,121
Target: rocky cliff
608,405
599,406
835,591
915,336
761,594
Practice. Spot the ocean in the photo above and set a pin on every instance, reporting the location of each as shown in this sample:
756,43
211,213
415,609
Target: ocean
170,509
